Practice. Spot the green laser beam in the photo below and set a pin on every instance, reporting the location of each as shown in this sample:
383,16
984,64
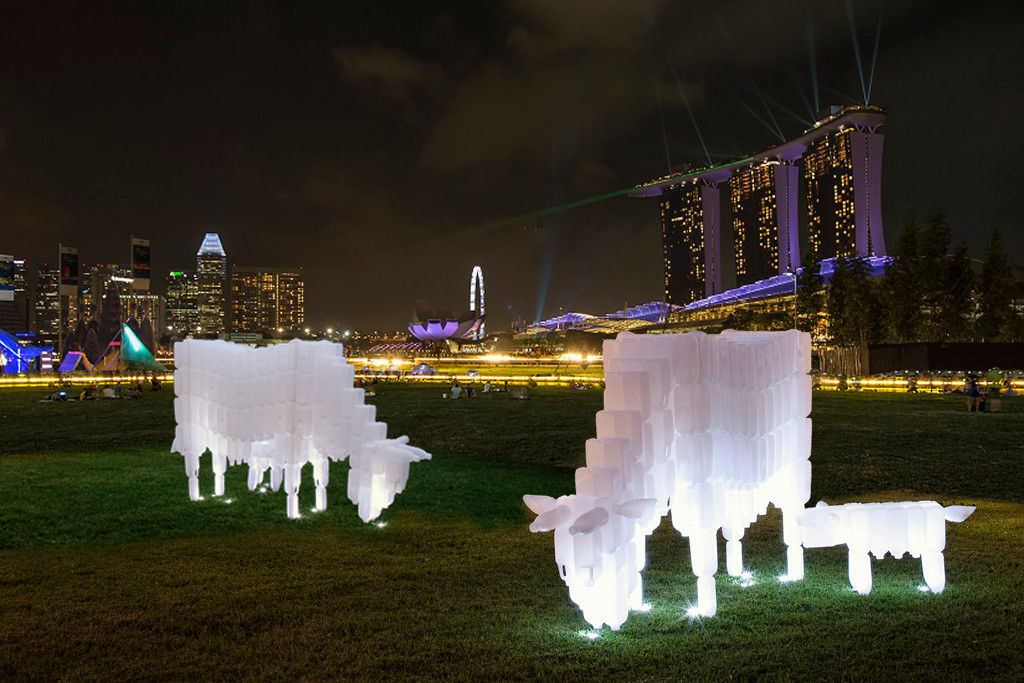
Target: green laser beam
575,204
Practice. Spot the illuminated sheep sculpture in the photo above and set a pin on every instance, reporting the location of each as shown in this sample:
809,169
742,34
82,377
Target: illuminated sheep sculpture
711,428
278,408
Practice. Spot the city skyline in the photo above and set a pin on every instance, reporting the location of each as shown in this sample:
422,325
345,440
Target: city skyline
361,143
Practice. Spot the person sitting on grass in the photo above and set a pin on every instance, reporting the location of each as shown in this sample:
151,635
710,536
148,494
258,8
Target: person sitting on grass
456,390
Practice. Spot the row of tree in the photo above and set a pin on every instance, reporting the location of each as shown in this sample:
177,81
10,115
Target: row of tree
927,294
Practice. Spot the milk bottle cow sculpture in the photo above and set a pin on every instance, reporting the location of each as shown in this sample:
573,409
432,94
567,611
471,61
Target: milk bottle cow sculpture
711,428
278,408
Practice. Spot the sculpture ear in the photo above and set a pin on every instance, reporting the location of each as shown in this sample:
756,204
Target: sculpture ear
539,504
821,504
589,522
554,517
636,508
958,513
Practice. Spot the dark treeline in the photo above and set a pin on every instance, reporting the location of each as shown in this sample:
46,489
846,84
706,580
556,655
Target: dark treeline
928,293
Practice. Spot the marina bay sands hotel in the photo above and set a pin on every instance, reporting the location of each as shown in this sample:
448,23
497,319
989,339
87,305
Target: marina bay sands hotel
839,160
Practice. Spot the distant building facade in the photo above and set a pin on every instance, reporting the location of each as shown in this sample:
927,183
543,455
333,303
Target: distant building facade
842,177
96,279
182,308
691,228
47,303
16,313
764,201
211,286
267,298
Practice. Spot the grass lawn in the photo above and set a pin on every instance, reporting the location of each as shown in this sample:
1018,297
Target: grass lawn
107,570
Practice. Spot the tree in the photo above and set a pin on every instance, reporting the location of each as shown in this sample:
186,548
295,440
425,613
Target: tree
110,316
934,237
810,293
92,348
146,334
955,302
997,320
933,278
902,288
853,303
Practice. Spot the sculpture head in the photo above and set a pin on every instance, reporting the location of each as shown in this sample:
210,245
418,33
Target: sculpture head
596,550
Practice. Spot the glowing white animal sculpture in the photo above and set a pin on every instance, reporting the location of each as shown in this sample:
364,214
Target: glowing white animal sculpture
279,408
712,428
918,528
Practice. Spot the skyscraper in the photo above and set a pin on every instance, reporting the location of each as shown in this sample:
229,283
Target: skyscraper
211,285
691,238
47,303
182,307
265,298
764,219
843,173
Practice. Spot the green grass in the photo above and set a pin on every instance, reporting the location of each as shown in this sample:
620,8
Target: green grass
107,570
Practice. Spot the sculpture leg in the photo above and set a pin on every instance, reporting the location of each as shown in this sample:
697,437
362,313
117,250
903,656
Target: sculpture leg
220,464
733,550
320,476
792,536
704,556
860,572
255,477
292,475
192,470
934,566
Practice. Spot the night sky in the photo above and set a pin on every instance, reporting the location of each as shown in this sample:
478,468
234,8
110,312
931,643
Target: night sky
388,147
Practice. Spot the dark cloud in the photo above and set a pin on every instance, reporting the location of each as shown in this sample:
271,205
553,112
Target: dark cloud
390,72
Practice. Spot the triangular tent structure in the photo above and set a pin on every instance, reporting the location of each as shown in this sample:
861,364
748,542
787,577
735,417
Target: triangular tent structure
110,361
75,360
127,353
135,353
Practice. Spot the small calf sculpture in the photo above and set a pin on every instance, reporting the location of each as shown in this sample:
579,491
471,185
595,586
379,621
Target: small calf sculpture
917,527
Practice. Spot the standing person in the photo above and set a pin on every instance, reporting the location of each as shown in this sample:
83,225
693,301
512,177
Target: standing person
973,395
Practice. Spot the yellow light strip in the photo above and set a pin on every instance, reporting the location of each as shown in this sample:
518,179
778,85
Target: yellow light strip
75,380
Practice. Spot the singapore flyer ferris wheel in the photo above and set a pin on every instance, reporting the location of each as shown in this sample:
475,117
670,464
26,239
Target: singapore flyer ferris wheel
476,304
